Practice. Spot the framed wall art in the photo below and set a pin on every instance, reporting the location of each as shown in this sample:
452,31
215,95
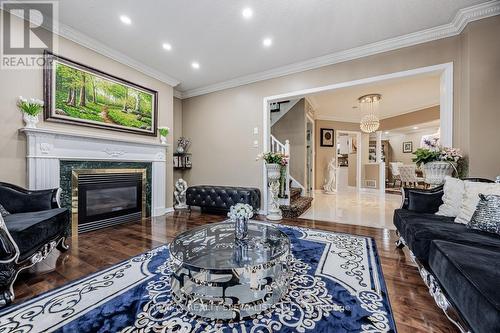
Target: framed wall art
326,137
408,147
79,94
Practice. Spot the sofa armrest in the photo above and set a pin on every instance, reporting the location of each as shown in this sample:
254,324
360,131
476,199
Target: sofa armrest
9,251
16,199
422,201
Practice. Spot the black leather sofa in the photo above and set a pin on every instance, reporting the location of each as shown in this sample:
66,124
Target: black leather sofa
460,266
35,225
218,199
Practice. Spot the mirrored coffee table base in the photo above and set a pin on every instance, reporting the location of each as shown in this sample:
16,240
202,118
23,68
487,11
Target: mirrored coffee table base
218,277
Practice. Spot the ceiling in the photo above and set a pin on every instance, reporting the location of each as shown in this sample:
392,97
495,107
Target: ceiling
430,127
226,46
399,96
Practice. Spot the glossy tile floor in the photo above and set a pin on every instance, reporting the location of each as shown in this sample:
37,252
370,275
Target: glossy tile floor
354,207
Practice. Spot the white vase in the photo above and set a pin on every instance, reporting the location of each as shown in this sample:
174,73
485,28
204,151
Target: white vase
273,171
30,121
163,139
435,172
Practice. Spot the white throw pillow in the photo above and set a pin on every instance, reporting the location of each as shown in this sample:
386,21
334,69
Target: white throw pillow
471,198
452,198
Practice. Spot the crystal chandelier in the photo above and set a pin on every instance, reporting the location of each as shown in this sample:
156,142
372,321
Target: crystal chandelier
369,123
369,107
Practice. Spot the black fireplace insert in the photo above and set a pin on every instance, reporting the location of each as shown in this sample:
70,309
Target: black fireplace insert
105,199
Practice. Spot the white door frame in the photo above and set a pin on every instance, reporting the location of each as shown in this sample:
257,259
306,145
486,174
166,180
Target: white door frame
313,150
446,103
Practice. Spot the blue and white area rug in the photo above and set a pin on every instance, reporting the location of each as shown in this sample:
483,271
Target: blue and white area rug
337,286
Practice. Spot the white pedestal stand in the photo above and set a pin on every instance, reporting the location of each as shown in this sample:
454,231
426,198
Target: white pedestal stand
273,176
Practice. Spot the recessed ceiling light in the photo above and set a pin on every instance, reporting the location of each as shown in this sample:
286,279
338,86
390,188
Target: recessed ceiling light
195,65
386,132
167,46
125,19
267,42
415,127
247,13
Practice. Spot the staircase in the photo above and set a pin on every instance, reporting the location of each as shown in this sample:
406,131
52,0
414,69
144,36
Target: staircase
293,204
280,109
298,204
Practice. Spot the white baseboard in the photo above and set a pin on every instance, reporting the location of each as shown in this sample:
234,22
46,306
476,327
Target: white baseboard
162,211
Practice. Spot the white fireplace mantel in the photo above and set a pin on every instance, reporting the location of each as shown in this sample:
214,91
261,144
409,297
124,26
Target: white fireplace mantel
47,147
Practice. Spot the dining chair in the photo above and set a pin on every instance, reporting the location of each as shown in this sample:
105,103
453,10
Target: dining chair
395,172
408,175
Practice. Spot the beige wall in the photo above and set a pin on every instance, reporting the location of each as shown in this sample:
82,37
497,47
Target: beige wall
409,119
396,145
177,133
292,127
29,83
482,67
221,123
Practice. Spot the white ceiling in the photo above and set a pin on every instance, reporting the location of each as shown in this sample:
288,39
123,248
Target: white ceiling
399,96
431,127
215,34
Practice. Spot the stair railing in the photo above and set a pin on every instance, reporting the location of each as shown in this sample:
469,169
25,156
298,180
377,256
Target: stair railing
278,147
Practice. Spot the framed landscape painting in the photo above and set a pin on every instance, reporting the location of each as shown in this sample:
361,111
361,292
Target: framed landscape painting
76,93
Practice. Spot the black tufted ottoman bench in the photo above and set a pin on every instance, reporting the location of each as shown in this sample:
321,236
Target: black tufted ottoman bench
218,199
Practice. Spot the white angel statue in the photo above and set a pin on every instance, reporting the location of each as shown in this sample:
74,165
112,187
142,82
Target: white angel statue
330,185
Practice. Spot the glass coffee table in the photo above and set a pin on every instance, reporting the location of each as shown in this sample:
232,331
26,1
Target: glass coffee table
216,276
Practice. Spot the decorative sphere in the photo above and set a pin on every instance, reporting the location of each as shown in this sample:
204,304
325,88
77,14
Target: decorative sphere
369,123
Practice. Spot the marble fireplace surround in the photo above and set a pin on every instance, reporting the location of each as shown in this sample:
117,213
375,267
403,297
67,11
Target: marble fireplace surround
47,147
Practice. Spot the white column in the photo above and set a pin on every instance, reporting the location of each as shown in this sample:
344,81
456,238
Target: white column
158,188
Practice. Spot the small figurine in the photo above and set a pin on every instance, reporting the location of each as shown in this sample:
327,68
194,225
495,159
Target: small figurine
180,194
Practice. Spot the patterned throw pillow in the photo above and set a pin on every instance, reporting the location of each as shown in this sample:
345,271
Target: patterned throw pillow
3,211
471,199
487,214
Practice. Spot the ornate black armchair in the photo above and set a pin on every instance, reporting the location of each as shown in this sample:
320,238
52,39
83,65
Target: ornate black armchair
32,225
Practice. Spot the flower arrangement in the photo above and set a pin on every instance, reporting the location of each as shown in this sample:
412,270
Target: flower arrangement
183,144
240,211
273,158
436,153
32,106
164,131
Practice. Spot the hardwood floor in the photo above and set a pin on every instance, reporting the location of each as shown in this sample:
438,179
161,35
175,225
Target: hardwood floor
414,309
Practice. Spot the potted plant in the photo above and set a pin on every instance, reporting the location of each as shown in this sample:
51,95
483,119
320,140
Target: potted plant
240,214
163,134
31,109
438,162
274,164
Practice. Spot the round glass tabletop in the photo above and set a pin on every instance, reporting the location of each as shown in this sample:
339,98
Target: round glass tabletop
213,246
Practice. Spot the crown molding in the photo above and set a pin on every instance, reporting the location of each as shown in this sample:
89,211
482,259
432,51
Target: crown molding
177,94
455,27
93,44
